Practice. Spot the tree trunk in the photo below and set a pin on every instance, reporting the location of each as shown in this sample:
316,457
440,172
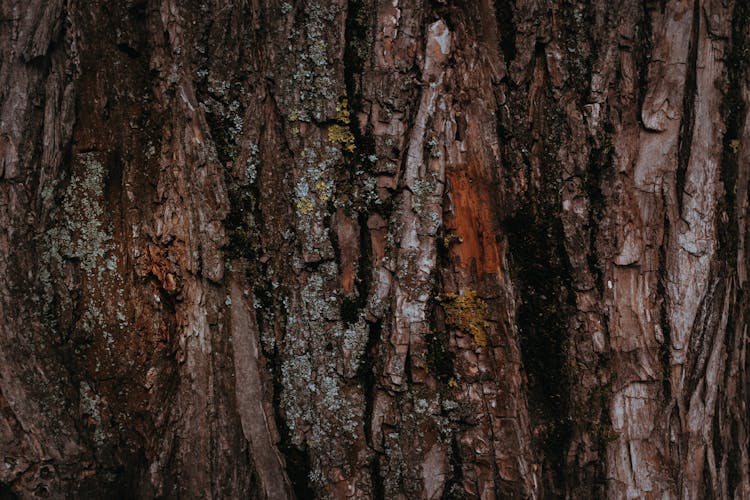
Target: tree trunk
374,249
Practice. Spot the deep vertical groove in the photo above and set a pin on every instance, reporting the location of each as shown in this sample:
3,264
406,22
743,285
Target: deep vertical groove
727,222
688,107
504,19
734,110
666,330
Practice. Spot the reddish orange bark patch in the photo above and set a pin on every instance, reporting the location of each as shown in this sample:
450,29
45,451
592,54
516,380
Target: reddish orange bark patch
348,237
471,219
160,262
378,228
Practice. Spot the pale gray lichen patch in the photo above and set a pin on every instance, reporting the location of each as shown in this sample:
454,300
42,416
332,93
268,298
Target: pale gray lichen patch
314,188
423,190
223,104
89,405
81,235
252,163
311,91
354,343
322,405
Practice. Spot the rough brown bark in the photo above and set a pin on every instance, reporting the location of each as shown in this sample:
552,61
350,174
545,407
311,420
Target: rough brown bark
367,249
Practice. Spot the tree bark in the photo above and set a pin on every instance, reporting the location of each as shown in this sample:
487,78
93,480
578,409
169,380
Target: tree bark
374,249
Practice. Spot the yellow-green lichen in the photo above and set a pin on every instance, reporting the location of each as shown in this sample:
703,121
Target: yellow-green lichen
340,132
450,238
342,111
305,206
468,313
324,189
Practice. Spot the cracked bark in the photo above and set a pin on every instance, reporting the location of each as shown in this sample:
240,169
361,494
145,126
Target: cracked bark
395,249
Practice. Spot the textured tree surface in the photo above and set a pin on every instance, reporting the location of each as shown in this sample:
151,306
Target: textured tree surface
384,249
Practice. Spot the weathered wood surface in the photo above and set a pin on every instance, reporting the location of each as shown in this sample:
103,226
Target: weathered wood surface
367,249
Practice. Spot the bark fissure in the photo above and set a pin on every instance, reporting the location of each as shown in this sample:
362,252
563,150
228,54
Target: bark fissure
688,106
374,249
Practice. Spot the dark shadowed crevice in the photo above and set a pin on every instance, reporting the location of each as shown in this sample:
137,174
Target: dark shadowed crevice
540,270
364,265
454,489
666,331
298,471
356,45
504,19
350,310
366,373
688,108
378,486
543,279
226,145
601,160
727,442
734,471
243,218
738,426
358,28
138,10
734,111
128,50
642,48
738,407
6,493
716,434
744,416
440,359
706,323
357,33
243,238
706,486
352,306
117,482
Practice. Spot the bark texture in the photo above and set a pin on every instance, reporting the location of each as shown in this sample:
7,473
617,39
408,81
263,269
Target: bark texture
374,249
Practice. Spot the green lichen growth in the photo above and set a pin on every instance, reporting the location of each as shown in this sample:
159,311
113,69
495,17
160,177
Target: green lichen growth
468,313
